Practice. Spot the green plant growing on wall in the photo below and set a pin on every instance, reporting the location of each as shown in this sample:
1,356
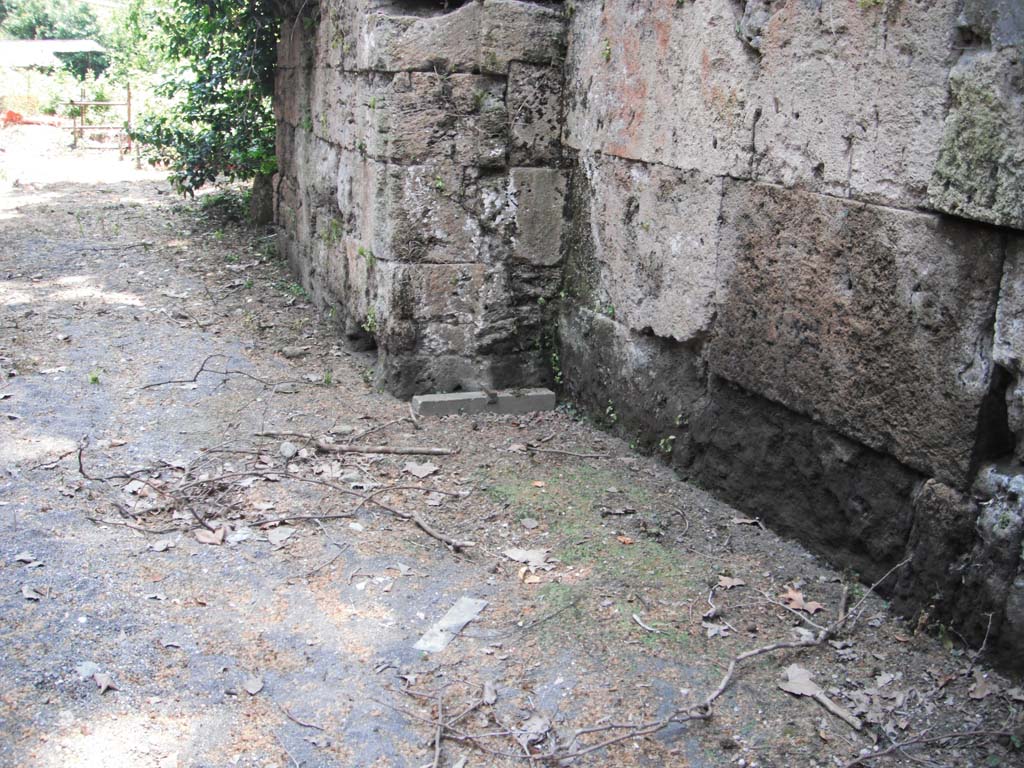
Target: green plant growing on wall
366,253
610,416
666,443
606,50
334,233
370,323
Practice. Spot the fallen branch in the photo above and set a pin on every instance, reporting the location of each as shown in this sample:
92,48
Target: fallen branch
226,372
901,745
322,446
533,449
423,450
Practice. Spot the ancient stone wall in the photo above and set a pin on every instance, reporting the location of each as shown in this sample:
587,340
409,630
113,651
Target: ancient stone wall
420,186
791,251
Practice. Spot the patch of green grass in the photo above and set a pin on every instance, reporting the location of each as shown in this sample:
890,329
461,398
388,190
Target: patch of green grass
94,377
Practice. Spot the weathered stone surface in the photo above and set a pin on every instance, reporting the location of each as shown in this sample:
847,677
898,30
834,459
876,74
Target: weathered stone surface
535,113
995,568
473,37
1000,22
424,116
646,386
1008,349
851,98
839,498
979,173
656,230
939,549
512,30
872,320
660,82
539,195
446,42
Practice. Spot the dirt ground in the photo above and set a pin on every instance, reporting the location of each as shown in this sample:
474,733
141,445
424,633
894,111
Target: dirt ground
177,590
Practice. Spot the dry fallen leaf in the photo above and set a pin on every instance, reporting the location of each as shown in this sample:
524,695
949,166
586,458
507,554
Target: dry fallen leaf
420,470
534,558
278,536
29,593
539,484
625,540
204,536
728,582
795,600
799,682
253,685
982,688
104,682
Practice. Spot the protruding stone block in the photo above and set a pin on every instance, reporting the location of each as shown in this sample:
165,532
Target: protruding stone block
656,230
979,173
535,111
512,30
539,195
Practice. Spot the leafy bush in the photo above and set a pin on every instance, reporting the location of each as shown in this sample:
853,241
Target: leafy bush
218,122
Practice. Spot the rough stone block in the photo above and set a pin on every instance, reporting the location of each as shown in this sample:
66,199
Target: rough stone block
451,293
539,195
839,498
655,233
851,99
511,30
424,116
1008,349
979,173
991,582
939,548
291,96
446,42
535,110
517,401
873,320
661,82
1000,22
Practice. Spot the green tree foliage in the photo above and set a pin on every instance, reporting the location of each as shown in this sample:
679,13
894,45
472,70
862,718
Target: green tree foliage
219,121
55,20
49,20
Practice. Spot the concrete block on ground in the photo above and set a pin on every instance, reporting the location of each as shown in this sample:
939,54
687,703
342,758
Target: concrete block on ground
507,402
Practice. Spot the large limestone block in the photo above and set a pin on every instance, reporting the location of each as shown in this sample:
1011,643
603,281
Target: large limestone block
333,105
655,234
661,82
427,116
852,96
535,114
979,173
291,96
436,212
446,42
840,498
483,37
451,293
873,320
512,30
539,195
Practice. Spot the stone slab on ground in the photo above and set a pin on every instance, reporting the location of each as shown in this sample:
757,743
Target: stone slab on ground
509,402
